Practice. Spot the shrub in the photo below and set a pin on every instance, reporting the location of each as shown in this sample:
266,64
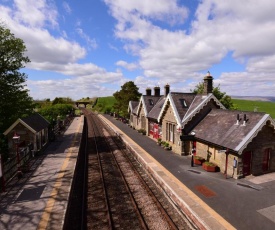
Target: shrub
142,131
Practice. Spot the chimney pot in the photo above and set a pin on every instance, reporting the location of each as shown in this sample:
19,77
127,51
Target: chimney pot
238,119
208,84
166,89
148,92
244,120
157,91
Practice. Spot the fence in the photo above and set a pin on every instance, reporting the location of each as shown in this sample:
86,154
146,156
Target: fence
15,167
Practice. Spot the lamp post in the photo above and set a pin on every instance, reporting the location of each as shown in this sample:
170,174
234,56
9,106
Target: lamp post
16,140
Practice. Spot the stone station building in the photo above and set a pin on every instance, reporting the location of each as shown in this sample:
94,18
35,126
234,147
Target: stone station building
239,143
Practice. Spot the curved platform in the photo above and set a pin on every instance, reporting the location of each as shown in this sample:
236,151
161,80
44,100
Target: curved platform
39,199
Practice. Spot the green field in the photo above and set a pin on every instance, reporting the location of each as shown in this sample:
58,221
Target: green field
259,106
104,104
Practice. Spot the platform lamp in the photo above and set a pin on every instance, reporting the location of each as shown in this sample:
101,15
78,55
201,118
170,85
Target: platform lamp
16,140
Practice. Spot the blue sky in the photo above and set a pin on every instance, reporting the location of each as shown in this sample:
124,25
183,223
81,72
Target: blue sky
91,48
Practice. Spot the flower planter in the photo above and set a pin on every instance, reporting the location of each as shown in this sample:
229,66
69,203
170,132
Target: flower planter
198,161
209,168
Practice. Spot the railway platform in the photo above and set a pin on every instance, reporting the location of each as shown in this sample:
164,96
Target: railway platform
39,199
210,200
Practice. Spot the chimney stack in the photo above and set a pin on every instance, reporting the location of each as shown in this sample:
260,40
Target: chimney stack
148,92
238,119
207,84
244,120
166,89
157,91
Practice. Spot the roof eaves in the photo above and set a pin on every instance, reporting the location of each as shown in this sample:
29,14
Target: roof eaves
168,98
139,104
253,133
200,106
130,109
175,111
144,107
16,123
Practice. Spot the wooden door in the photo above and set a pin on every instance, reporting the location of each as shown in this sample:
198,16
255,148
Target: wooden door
247,163
265,163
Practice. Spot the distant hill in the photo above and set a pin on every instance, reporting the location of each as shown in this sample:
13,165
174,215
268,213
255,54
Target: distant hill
254,98
256,106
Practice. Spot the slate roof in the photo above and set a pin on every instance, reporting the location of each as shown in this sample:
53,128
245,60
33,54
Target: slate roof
182,99
36,122
198,103
195,103
179,102
155,111
148,103
133,106
219,127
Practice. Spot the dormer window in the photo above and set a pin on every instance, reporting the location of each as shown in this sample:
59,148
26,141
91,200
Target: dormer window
183,103
151,102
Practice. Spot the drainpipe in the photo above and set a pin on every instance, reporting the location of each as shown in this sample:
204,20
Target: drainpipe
226,162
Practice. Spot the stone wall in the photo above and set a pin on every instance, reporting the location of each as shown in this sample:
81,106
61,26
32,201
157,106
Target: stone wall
265,139
169,117
218,157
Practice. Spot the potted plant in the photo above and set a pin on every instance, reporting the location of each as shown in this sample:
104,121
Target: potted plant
142,131
198,160
159,141
209,167
167,146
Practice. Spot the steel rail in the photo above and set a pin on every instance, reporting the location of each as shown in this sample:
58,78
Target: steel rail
97,131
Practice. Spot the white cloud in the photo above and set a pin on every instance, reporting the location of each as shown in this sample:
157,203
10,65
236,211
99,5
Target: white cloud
91,42
163,10
54,53
246,84
76,87
67,7
176,53
245,28
42,47
126,65
41,13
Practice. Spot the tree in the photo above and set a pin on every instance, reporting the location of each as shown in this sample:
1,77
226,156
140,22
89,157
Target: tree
221,96
51,112
15,100
128,92
62,100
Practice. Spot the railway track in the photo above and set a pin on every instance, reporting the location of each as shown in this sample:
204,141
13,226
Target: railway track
120,193
132,197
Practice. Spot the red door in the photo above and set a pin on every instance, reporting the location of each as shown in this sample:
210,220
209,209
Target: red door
247,163
266,156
